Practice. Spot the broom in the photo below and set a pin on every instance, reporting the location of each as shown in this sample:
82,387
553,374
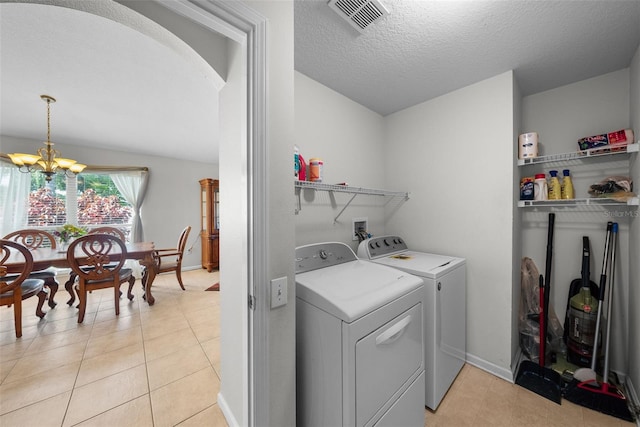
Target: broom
602,397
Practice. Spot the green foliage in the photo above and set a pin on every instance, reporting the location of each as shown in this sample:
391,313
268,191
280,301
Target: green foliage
68,231
99,201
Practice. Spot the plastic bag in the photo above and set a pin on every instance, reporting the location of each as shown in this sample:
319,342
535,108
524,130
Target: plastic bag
618,188
529,314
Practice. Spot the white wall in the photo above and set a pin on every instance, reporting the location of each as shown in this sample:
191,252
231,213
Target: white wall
633,356
280,139
349,138
212,47
517,236
455,155
173,196
234,345
561,116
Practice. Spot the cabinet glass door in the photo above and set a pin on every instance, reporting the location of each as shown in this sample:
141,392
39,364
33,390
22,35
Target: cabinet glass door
216,206
203,209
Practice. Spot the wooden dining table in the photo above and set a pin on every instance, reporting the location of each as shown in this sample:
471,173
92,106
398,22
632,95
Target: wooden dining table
44,258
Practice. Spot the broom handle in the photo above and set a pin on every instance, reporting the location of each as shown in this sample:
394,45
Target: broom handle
547,283
605,374
603,282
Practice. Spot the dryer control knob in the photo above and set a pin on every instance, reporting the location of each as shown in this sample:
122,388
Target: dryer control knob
323,254
386,242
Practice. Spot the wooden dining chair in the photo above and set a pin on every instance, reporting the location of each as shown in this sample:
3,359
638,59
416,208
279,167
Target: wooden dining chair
109,230
168,260
34,239
112,231
88,257
19,287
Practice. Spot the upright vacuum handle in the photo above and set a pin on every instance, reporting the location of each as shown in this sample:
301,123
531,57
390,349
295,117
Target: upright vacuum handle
586,256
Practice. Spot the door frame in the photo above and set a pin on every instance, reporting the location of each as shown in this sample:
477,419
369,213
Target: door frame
245,26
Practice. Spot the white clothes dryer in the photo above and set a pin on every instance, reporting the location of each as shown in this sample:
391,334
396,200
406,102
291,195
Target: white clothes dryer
359,350
445,307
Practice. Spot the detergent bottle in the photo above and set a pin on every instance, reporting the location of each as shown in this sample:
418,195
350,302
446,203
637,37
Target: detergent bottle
302,173
541,191
554,186
566,190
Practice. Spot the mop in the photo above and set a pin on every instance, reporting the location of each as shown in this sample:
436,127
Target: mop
584,389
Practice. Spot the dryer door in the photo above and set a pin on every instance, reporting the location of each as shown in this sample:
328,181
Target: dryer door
386,360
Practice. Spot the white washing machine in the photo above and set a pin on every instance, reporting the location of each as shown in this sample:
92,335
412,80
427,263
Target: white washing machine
359,349
445,332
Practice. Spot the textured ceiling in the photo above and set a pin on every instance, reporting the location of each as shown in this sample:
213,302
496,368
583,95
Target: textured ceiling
118,87
424,49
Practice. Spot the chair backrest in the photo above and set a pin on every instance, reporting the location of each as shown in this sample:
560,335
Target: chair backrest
109,230
182,242
32,239
7,248
96,251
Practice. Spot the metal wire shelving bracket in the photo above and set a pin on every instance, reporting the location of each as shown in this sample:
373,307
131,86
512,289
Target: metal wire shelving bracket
336,188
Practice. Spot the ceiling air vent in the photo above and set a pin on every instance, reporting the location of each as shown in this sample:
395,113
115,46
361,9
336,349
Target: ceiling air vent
360,14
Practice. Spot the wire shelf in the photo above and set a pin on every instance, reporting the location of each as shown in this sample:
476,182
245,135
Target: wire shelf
633,201
583,154
339,188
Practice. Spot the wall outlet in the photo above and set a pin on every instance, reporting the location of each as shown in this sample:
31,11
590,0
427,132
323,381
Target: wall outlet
359,224
278,292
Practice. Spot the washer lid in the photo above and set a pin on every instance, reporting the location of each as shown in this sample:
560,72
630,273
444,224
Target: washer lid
421,263
351,290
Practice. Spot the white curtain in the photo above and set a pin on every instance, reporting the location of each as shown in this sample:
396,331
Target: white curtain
133,187
14,198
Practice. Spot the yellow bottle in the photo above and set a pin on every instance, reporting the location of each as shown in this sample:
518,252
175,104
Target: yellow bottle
554,186
566,190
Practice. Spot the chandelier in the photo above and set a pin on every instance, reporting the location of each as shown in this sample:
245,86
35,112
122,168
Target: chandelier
48,160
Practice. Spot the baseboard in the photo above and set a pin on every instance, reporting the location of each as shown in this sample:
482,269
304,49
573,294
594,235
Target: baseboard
226,411
632,395
505,374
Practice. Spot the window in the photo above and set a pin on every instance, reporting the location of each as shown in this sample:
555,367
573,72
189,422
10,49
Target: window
104,195
100,201
88,200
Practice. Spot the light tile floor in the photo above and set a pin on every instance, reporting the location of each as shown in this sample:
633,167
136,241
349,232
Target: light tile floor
478,398
149,366
160,366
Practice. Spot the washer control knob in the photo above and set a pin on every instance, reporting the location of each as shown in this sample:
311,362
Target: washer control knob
372,246
378,244
323,254
386,242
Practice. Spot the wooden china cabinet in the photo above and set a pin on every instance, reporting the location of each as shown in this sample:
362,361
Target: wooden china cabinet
210,223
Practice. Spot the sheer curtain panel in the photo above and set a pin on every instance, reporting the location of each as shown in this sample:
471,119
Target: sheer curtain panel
133,187
14,197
